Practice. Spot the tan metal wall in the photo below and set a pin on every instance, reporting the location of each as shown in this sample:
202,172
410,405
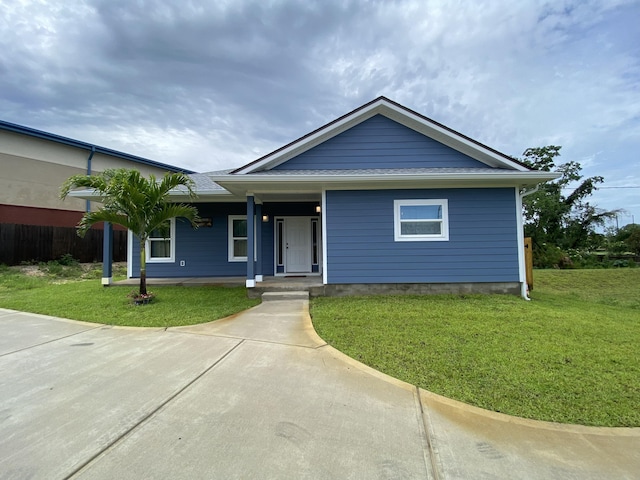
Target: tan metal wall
32,170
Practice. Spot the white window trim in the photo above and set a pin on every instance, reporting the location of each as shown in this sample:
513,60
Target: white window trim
172,238
231,257
230,220
442,237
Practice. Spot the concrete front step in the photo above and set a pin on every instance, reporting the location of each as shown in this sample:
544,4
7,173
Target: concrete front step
258,291
270,296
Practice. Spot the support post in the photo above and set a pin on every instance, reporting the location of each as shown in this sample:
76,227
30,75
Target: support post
107,255
259,276
251,280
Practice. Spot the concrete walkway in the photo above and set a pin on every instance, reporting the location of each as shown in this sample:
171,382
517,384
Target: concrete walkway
258,395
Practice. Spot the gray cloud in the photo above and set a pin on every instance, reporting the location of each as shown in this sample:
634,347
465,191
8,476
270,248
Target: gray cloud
209,85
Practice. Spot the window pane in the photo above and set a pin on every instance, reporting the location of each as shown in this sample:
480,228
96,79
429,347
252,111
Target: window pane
240,228
239,248
314,242
160,248
420,228
417,212
161,232
280,258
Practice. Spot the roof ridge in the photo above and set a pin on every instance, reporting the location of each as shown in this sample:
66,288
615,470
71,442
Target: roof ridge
396,105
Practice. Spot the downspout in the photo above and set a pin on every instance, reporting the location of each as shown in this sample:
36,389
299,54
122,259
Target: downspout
93,150
524,288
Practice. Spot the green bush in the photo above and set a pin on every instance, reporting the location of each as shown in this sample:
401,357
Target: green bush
56,269
68,261
52,267
550,256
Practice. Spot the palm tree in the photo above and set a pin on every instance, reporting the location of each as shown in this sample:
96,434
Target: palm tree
134,202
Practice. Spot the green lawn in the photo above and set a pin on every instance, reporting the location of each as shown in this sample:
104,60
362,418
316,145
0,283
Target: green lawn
64,294
571,355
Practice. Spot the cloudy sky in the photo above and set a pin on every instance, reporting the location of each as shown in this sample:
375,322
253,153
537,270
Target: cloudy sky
213,85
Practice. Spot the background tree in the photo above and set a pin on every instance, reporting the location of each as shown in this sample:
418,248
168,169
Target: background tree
134,202
628,238
558,216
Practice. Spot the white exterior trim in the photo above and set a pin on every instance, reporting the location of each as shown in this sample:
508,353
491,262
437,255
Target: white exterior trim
397,113
277,238
172,246
522,269
315,183
443,236
323,234
230,257
230,253
129,254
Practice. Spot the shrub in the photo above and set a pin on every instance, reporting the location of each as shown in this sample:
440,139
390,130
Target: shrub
68,261
550,256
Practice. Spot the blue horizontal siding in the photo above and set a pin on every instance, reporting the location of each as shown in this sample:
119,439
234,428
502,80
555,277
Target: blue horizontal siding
482,244
380,142
205,250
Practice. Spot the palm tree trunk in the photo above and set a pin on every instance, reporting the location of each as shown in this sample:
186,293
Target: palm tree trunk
143,269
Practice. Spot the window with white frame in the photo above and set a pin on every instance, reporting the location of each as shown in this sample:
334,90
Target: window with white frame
161,245
237,238
421,220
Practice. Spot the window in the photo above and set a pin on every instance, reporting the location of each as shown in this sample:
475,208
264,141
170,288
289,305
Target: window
315,250
280,243
237,238
421,220
161,244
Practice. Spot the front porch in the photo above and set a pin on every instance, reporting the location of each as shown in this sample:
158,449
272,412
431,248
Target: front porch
312,284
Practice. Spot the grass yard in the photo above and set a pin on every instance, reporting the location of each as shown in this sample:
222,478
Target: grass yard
571,355
65,292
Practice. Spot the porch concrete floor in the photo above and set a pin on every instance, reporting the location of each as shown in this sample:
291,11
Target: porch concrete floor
269,284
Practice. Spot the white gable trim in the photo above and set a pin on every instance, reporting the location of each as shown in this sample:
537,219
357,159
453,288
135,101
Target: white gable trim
394,112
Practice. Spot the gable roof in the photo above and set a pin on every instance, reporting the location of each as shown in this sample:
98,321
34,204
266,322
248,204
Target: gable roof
398,113
32,132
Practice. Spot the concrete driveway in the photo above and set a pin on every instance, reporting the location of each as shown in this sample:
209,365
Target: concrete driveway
255,396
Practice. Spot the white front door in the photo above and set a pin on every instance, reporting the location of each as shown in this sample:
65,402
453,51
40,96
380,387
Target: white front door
297,245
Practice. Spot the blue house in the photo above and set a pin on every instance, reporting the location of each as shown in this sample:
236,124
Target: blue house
382,199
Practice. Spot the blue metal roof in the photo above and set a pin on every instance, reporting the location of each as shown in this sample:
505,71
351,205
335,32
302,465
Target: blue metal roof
32,132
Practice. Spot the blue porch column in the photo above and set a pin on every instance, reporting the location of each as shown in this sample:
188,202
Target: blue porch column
259,276
251,277
107,255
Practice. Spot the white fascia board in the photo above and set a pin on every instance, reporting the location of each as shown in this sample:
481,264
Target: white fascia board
404,117
201,196
205,196
302,183
450,139
86,195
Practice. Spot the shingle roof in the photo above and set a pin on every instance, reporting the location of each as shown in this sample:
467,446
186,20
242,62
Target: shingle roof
204,183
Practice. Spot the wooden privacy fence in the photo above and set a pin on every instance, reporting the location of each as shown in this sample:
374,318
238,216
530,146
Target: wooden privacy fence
528,261
29,243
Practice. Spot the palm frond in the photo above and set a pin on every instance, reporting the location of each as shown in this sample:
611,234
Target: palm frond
91,218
